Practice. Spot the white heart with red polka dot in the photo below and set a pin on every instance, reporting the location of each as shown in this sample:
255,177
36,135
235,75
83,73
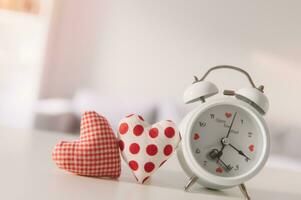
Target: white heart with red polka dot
145,147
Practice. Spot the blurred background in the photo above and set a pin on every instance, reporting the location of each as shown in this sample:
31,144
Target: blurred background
60,58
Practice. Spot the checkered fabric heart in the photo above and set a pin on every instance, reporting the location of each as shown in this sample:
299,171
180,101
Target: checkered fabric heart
96,152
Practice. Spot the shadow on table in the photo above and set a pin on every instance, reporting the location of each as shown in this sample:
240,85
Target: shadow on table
176,180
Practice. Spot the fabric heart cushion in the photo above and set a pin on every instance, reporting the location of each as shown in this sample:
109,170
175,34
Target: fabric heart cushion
146,147
96,153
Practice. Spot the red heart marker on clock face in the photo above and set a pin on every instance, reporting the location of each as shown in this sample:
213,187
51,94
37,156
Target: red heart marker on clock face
228,114
196,136
252,147
146,147
219,170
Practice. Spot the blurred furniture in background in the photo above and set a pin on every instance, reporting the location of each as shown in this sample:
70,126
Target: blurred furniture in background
48,111
56,115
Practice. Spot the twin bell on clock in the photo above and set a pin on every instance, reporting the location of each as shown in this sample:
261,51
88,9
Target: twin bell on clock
225,141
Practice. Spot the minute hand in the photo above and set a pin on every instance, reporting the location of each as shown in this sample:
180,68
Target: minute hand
231,125
223,145
240,152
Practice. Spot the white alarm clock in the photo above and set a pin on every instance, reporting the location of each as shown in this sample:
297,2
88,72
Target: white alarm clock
225,141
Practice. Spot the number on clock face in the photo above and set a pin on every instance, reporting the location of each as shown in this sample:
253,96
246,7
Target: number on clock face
225,140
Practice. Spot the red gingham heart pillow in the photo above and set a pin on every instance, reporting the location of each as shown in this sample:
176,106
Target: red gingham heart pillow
96,152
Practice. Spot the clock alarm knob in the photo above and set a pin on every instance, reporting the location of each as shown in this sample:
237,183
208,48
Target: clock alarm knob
198,91
253,96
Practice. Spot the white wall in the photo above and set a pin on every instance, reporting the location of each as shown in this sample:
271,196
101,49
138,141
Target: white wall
71,47
151,49
139,49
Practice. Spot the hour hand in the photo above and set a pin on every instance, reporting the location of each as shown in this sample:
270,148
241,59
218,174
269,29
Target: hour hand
240,152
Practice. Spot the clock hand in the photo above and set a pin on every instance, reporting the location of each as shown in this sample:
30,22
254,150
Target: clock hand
228,133
225,166
240,152
231,125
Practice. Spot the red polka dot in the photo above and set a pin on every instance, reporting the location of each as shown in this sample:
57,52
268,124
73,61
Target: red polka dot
130,115
134,148
140,117
167,150
145,179
123,128
149,166
169,132
138,130
162,163
153,132
133,165
121,145
151,149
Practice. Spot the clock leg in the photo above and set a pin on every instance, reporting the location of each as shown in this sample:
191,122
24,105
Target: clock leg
244,191
191,181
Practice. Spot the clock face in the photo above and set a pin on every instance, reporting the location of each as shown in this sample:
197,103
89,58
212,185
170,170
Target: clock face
226,140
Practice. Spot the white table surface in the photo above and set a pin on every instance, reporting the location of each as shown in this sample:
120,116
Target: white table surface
27,172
